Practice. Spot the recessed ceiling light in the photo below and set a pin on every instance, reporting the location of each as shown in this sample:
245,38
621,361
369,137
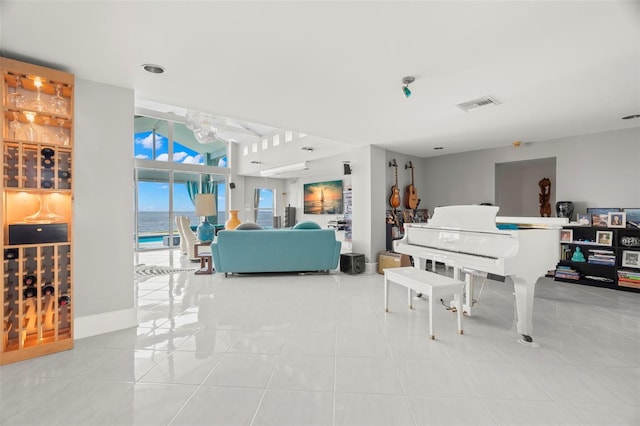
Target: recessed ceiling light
153,68
629,117
439,147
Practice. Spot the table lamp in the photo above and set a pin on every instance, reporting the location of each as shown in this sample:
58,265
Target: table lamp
206,206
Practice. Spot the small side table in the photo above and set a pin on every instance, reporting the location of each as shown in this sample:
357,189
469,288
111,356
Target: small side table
206,262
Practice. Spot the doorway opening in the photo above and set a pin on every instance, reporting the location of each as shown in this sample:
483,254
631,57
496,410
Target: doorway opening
517,190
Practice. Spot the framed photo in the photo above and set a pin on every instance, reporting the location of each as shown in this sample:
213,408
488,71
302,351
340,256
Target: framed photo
584,219
323,197
633,217
566,235
631,259
617,220
604,237
603,210
599,219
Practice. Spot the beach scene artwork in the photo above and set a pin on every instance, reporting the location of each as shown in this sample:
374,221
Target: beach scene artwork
323,197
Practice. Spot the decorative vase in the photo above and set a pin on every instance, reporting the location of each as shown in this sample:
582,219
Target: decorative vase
205,231
564,209
233,220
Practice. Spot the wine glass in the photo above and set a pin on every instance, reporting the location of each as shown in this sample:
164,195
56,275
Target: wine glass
37,104
16,99
30,132
58,103
45,137
61,137
15,125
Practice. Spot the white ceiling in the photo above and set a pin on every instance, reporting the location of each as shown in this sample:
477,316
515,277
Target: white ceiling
334,69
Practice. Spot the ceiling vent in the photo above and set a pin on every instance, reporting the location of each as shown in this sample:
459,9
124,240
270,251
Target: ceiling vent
477,104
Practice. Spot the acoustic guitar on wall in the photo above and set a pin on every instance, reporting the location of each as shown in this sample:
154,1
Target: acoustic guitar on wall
410,193
394,200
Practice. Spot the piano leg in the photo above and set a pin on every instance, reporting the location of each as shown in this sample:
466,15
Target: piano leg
467,302
525,290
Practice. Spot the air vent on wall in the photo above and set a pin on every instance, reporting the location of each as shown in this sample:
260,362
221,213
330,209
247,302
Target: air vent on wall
480,103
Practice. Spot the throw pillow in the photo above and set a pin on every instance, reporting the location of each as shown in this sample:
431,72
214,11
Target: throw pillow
306,225
248,226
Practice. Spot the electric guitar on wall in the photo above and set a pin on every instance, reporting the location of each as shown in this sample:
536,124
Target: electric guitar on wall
410,194
394,200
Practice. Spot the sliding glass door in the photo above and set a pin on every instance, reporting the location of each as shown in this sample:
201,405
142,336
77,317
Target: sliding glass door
171,167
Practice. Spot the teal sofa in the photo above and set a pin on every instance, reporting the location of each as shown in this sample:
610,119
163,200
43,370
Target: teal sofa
275,250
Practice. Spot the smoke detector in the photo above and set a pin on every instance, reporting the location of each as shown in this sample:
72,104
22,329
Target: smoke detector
477,104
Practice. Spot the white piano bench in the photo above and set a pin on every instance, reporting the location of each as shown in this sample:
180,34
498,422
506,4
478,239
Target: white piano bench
428,283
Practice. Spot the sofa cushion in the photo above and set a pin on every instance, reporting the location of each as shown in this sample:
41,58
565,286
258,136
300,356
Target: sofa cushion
248,226
306,225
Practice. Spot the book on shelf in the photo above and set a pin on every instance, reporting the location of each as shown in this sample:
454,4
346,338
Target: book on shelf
567,273
602,252
629,275
629,283
601,257
594,260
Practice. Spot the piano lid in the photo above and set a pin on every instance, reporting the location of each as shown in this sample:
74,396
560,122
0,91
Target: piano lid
470,218
484,219
468,230
533,222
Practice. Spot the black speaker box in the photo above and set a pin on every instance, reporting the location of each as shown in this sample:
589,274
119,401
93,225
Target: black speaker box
347,168
352,263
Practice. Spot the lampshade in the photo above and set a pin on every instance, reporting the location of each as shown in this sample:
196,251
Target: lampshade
206,205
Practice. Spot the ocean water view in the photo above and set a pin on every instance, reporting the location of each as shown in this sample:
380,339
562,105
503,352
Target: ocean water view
154,225
158,222
323,207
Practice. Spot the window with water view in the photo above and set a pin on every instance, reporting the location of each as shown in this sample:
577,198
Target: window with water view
167,190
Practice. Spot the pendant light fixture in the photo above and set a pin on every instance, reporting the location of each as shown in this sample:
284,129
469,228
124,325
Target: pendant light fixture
406,81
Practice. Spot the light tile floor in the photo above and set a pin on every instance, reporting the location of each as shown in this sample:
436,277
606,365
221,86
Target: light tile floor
319,350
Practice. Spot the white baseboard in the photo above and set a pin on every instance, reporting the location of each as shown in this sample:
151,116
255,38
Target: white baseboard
92,325
371,268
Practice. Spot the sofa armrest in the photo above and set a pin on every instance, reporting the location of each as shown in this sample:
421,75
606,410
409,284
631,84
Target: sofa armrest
215,254
336,254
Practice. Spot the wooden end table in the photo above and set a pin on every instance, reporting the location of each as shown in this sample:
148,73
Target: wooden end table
206,262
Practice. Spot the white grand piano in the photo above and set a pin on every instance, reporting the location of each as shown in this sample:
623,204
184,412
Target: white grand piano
467,238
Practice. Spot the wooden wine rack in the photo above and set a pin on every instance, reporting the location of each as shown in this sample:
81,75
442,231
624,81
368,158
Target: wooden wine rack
37,189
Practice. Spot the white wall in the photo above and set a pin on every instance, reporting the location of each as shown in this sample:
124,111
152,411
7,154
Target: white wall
369,201
598,170
248,187
421,183
517,189
295,198
103,209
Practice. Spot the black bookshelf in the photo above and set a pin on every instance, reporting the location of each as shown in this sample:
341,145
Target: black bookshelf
607,265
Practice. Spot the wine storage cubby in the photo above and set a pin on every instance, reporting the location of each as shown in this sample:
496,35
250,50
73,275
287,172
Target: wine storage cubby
37,211
37,290
28,166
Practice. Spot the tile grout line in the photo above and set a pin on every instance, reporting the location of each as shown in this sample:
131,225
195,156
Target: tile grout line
335,355
395,368
264,392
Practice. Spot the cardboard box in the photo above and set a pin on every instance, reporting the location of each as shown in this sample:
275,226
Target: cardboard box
388,259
